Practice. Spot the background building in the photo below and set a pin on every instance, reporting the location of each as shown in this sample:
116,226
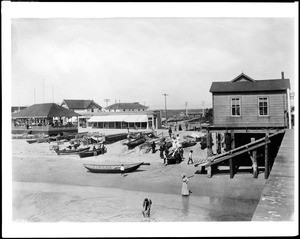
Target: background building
124,120
82,106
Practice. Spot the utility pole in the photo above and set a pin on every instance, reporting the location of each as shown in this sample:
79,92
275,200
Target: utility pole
52,94
33,96
43,92
203,114
186,109
166,105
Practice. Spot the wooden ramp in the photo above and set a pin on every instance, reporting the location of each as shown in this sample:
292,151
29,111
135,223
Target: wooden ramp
215,159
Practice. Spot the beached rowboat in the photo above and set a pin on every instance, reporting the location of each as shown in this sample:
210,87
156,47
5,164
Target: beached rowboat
71,151
31,141
135,143
188,143
97,168
43,140
92,153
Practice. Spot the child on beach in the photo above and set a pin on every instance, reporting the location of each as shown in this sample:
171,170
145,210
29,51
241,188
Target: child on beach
122,170
190,157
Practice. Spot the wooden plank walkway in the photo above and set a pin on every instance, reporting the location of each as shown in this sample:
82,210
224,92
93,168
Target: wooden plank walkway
277,199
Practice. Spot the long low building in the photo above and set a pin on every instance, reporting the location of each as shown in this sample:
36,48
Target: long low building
120,120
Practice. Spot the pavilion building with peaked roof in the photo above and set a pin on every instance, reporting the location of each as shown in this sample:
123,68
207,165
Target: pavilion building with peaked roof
48,118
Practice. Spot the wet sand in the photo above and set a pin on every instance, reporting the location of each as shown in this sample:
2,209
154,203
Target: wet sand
55,188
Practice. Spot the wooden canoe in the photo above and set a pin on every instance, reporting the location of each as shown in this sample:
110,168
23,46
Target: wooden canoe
71,151
92,153
97,168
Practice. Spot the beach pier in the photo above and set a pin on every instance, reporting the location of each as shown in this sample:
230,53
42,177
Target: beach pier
277,199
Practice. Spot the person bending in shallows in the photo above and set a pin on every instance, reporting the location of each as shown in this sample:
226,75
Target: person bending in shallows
190,157
147,207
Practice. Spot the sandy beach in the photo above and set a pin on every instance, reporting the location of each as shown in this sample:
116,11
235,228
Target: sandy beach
57,188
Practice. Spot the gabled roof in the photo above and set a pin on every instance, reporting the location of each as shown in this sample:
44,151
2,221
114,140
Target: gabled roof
127,106
244,83
48,110
80,104
242,77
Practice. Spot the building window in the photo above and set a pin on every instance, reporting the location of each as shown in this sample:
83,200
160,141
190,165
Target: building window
235,107
263,106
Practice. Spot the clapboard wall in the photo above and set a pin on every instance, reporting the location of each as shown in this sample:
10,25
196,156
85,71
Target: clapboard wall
249,110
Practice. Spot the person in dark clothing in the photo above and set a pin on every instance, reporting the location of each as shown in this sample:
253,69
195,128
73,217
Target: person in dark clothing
161,151
166,155
179,128
227,142
153,147
170,132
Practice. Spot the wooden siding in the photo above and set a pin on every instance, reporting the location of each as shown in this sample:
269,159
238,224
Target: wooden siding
249,110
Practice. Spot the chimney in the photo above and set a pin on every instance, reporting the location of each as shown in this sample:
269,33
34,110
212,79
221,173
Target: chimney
282,75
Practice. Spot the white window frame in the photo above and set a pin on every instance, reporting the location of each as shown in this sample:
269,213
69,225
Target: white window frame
240,104
258,101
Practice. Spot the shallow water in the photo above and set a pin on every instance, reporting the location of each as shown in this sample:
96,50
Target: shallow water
52,188
39,202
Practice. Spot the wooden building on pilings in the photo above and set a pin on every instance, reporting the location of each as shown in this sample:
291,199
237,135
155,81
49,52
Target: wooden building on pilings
245,111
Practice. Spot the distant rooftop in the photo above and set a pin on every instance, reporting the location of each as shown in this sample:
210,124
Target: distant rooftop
126,106
46,110
80,104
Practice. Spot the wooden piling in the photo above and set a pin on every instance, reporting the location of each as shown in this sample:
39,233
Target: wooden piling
209,153
218,142
254,161
267,163
231,165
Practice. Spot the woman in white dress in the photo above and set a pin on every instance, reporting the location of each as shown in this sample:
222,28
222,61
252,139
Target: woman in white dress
185,190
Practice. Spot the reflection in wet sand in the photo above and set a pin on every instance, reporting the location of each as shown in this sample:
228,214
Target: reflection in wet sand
185,205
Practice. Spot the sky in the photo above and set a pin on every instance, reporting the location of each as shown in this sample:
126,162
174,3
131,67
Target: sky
140,59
